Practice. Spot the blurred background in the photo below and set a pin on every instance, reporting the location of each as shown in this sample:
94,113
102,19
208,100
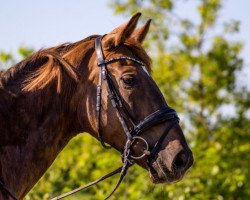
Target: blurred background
200,52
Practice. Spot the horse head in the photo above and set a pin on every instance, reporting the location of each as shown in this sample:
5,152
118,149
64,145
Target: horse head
128,97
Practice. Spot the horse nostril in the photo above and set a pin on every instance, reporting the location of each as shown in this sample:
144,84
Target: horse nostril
180,161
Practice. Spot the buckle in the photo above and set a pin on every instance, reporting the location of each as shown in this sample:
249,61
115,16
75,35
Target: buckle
146,151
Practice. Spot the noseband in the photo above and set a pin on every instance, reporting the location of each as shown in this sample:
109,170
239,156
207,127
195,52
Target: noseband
133,133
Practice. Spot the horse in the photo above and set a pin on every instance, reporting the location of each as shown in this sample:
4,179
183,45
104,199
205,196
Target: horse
99,85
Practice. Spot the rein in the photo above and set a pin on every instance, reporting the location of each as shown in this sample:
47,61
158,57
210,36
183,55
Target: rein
132,133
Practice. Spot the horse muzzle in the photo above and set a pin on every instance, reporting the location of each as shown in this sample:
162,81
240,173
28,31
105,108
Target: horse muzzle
171,163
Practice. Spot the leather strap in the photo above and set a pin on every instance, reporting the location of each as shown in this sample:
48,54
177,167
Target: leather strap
118,170
155,118
155,149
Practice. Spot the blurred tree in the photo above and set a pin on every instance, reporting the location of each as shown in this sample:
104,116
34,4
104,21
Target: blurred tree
196,70
7,58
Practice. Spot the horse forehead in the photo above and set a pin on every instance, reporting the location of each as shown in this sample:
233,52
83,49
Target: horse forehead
126,64
123,66
119,51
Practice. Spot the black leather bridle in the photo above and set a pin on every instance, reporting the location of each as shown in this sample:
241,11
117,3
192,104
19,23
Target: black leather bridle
132,133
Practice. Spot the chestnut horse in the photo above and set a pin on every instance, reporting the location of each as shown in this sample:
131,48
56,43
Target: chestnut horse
50,97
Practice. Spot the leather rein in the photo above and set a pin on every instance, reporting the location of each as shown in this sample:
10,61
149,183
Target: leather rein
132,133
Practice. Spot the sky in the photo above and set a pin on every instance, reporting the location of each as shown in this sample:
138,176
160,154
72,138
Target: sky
46,23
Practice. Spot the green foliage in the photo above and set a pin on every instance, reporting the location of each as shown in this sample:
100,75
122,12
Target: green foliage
25,51
84,160
198,76
232,26
7,59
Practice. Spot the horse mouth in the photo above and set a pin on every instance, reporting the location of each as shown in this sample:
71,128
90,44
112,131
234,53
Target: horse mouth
159,174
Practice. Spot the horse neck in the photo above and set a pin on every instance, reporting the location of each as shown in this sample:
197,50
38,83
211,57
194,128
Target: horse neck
35,127
39,131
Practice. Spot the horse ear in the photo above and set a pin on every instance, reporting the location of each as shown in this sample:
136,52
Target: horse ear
140,33
119,34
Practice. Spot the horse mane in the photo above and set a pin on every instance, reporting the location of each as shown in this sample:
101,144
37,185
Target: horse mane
47,65
44,66
51,70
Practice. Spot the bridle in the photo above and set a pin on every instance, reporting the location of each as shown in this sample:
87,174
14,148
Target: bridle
133,133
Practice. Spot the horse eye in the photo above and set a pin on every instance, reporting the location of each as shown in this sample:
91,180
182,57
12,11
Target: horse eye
130,81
